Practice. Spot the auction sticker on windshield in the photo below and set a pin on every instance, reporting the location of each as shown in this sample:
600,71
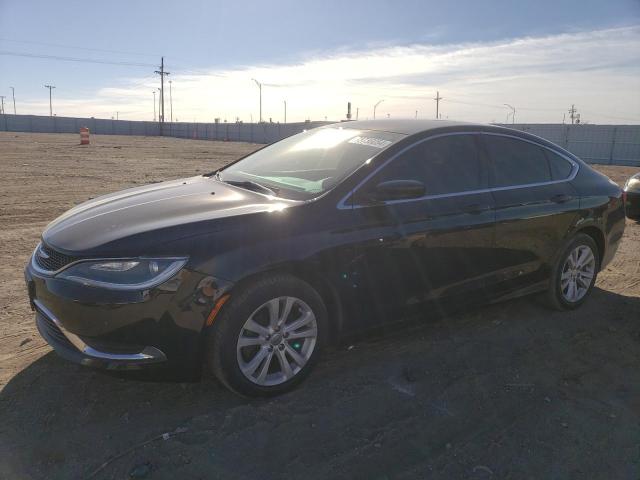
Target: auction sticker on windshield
370,142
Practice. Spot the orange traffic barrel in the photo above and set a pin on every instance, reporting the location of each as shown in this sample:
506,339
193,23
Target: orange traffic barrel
84,136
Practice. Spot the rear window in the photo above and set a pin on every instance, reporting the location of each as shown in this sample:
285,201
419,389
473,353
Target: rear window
516,162
560,167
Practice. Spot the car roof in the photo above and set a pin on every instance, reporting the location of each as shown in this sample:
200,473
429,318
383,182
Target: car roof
406,127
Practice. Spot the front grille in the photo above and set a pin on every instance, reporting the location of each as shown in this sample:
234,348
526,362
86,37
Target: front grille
49,259
51,330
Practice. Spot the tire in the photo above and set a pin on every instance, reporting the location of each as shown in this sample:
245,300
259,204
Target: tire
559,295
232,364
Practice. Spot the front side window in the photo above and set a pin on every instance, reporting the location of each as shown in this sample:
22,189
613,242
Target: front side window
304,166
516,162
448,164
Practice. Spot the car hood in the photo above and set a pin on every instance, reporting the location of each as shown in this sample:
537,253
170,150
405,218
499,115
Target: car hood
152,207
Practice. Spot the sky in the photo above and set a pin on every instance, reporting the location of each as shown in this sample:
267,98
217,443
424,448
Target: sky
538,56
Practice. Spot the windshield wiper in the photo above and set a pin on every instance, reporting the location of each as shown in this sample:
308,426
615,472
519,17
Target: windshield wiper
251,185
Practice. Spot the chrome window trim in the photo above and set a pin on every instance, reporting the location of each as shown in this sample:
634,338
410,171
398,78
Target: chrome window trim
342,204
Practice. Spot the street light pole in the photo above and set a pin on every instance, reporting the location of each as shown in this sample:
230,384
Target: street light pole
285,111
376,106
513,113
50,87
154,105
13,94
260,88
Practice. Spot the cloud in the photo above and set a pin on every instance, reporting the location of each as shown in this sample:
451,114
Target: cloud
598,71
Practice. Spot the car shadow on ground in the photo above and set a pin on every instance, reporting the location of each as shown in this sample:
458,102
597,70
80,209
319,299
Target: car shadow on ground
505,391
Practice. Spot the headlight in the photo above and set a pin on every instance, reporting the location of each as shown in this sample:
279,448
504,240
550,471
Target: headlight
633,184
124,274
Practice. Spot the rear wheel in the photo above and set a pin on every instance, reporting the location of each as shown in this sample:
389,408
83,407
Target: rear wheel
574,273
268,337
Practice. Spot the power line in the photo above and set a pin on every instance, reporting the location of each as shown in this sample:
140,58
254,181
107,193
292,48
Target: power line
74,59
75,47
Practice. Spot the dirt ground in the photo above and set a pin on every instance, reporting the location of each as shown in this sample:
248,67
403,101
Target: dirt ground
509,391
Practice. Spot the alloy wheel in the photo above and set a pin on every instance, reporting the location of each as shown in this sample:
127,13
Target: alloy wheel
277,341
577,273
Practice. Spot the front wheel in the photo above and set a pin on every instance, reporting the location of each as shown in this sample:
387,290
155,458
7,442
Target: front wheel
268,336
574,273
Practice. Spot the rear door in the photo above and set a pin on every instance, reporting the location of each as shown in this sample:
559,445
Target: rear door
420,249
535,206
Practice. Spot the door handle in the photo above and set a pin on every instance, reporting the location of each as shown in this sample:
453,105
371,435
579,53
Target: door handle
476,208
561,198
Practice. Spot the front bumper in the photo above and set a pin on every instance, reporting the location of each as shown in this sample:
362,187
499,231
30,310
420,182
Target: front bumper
73,348
115,330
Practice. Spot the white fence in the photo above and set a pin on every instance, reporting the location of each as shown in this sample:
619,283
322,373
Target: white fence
604,144
235,132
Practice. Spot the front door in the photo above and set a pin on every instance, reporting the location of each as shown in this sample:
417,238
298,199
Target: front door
419,249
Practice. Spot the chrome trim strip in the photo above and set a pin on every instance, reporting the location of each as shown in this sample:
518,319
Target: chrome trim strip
148,354
342,205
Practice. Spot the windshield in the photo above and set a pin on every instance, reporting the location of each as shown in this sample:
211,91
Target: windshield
306,165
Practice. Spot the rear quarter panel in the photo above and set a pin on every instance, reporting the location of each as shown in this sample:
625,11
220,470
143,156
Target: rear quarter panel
601,206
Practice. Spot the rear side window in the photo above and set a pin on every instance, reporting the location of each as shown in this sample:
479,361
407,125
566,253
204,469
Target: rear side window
449,164
516,162
560,167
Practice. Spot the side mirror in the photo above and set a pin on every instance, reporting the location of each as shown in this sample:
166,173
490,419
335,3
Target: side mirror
397,190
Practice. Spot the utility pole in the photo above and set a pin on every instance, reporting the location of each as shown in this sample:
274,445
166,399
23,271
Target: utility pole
2,97
416,114
572,113
285,111
513,113
154,105
437,99
170,102
260,88
376,106
117,115
162,73
50,87
357,112
13,94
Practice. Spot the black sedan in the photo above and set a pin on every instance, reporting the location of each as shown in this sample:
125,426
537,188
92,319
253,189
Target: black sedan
251,270
632,197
